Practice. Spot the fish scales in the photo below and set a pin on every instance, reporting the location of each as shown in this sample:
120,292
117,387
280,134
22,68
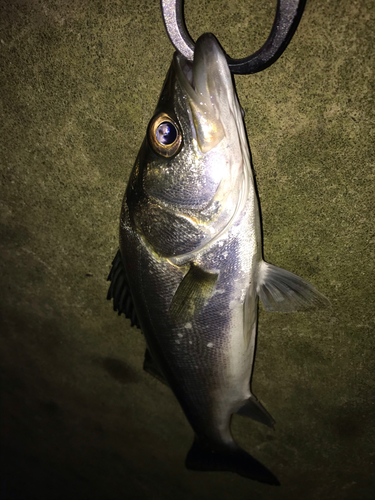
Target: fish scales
209,366
191,249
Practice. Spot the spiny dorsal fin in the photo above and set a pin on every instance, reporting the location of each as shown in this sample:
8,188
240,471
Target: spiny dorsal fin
282,291
119,291
192,293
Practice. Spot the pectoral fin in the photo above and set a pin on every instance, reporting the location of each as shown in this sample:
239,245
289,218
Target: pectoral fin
282,291
191,295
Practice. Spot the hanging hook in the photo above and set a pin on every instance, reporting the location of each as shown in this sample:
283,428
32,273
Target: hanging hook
288,15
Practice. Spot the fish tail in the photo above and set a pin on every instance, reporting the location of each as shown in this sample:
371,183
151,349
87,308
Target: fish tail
228,458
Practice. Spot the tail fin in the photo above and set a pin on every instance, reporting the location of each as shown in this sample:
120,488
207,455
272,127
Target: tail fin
234,460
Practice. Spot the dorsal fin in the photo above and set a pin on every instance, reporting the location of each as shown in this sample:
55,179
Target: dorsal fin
152,368
119,291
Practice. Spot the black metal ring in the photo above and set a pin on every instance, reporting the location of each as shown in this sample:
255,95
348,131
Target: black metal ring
288,15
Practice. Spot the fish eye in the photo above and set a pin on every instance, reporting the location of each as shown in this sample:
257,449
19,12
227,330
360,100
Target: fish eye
164,135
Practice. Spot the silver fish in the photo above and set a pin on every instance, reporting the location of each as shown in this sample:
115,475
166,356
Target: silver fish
190,267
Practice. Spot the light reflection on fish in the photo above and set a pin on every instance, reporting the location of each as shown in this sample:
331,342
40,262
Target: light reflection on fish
190,268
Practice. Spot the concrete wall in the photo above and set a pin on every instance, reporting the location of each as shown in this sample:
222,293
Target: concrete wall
80,419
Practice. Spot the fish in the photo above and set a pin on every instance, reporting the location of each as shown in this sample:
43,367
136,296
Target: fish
190,268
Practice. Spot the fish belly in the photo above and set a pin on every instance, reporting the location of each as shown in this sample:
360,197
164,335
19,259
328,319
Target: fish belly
206,360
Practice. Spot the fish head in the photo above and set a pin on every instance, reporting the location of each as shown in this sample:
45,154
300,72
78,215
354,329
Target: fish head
190,176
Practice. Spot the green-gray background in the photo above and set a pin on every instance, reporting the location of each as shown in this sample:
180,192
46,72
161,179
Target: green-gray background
80,419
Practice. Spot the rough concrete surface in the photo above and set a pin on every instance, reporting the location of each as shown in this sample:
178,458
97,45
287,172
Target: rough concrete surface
80,419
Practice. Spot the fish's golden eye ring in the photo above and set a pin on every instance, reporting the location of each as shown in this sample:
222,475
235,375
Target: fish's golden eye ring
166,150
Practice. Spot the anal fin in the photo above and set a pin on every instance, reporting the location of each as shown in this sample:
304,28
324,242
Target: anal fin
255,410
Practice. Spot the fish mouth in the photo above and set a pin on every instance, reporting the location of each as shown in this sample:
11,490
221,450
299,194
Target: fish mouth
207,83
187,70
215,114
